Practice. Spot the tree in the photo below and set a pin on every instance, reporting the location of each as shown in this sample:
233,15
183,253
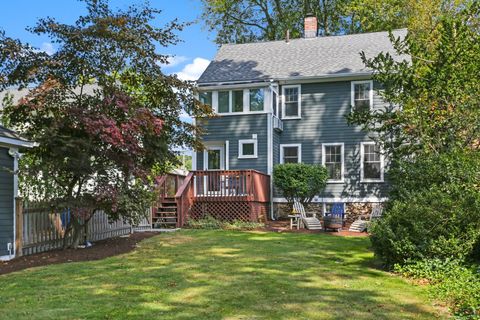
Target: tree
105,116
300,181
254,20
431,133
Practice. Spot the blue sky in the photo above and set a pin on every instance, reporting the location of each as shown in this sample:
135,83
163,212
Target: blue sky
192,55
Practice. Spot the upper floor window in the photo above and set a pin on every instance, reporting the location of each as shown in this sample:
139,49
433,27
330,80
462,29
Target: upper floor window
237,101
372,162
206,97
247,148
332,159
223,101
290,153
257,99
291,102
362,95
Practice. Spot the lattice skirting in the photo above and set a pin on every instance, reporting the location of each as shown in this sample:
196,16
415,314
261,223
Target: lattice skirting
230,210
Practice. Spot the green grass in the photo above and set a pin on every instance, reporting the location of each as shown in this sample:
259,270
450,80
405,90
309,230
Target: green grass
196,274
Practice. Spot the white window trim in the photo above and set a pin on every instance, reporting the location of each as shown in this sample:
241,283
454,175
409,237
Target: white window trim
298,145
222,157
352,92
342,180
382,164
240,149
246,102
299,116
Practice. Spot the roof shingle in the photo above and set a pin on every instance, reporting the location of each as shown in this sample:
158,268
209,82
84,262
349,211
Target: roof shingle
321,56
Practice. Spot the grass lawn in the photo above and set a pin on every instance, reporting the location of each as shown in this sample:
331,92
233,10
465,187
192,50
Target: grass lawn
219,275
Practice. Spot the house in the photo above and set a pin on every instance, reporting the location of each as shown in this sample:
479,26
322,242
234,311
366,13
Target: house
286,101
10,143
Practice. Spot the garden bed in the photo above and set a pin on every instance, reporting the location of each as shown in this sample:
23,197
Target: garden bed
99,250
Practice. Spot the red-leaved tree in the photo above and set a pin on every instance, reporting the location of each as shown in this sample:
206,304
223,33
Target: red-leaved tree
106,118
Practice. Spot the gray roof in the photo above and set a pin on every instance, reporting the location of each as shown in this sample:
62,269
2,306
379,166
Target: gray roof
312,57
7,133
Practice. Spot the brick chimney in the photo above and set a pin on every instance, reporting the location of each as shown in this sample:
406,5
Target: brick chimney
311,27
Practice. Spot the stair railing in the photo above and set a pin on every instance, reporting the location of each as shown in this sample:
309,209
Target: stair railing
184,199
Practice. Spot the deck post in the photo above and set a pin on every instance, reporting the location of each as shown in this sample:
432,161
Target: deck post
18,226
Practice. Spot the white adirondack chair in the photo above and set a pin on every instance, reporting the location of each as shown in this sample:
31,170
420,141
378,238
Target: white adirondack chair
377,211
311,223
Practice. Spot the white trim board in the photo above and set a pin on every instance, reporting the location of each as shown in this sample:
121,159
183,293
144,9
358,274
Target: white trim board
17,142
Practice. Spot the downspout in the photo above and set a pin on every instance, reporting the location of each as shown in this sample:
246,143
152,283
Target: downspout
270,148
14,153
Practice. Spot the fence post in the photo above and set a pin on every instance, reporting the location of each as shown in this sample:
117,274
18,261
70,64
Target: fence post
19,226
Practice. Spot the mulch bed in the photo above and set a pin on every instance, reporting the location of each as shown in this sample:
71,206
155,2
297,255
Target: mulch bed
99,250
284,226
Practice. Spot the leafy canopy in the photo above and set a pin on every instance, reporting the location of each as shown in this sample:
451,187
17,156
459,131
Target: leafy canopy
300,181
104,114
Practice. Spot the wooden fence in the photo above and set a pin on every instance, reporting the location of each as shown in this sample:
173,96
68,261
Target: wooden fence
43,230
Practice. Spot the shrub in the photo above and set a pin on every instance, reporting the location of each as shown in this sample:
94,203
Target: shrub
299,180
209,222
439,223
452,282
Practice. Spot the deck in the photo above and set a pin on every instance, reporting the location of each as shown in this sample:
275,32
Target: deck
226,195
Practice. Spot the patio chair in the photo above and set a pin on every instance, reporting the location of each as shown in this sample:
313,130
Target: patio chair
377,211
311,223
335,219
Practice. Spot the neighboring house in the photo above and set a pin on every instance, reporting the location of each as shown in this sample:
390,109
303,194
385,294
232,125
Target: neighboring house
286,101
10,143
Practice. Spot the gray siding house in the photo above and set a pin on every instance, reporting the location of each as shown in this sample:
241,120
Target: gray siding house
286,101
10,142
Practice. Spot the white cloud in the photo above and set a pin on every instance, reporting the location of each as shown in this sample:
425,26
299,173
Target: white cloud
174,61
48,48
192,71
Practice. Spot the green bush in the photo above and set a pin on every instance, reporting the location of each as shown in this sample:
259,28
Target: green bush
299,180
451,281
440,223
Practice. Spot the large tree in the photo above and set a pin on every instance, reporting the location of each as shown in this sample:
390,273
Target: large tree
252,20
104,115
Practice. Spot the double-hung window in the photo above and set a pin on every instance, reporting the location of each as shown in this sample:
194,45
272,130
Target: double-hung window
257,99
362,95
223,101
206,97
371,167
290,153
332,159
291,102
247,148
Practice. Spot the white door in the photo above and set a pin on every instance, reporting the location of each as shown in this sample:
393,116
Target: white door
214,160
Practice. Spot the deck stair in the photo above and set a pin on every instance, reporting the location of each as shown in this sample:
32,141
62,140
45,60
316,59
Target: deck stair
358,226
165,215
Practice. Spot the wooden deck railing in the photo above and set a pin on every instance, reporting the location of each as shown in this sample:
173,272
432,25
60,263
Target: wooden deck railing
221,186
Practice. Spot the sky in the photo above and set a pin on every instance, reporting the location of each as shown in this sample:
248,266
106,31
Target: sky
189,58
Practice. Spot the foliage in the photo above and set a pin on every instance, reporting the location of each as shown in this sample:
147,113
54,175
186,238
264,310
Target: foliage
105,116
300,181
217,274
434,223
433,94
209,222
451,281
260,20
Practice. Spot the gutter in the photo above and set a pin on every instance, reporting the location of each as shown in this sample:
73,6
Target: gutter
283,80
